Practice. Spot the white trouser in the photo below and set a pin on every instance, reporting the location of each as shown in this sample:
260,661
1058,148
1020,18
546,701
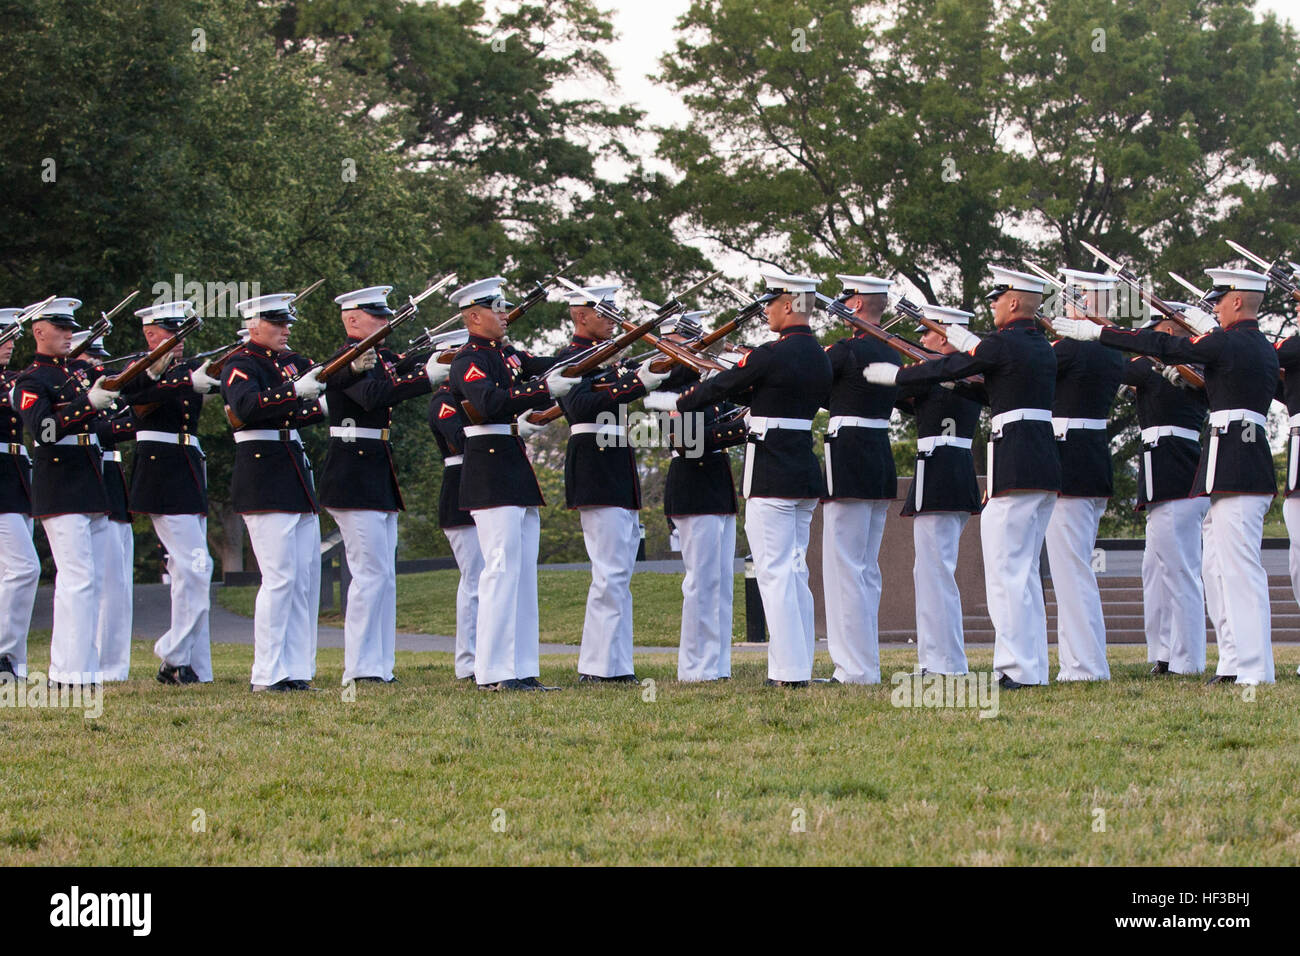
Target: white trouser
777,529
1238,597
1173,599
1291,514
940,639
506,633
116,591
612,536
287,547
469,560
187,642
851,532
1012,528
20,573
370,625
1080,626
709,553
79,544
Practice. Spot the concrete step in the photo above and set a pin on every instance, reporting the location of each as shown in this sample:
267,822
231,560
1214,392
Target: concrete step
1276,592
985,635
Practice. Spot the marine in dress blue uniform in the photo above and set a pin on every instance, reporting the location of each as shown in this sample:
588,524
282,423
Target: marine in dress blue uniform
700,505
358,483
784,382
860,484
117,583
944,494
1088,376
1236,467
69,495
601,483
1288,392
20,573
1172,415
169,484
501,384
447,422
1024,473
272,392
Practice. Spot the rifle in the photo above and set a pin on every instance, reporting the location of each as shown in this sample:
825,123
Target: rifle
747,312
538,293
114,383
1079,302
1279,273
412,306
15,330
673,353
1130,279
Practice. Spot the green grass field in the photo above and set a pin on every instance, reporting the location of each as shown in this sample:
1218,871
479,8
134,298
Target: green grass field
426,604
427,771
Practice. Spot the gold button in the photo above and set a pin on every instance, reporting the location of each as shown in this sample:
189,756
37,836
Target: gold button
257,454
56,461
153,457
492,451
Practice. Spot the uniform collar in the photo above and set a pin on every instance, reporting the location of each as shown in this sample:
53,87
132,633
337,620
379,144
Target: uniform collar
583,341
796,330
263,351
1243,324
484,342
42,359
1020,325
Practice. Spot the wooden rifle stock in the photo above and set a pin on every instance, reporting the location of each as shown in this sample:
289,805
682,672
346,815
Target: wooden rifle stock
115,382
96,330
1186,372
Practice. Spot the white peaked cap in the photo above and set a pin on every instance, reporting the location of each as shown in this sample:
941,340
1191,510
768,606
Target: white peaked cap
164,312
63,307
1240,280
1090,281
945,315
482,292
9,316
79,337
375,295
781,282
1008,279
865,285
253,308
591,294
451,340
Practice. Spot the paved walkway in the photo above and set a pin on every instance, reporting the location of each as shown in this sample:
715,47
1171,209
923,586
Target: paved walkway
153,611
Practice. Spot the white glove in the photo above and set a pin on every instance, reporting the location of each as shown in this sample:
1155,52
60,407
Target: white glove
528,429
650,378
881,373
559,384
1170,373
1200,320
436,371
961,338
309,386
364,362
101,398
1081,329
201,381
324,405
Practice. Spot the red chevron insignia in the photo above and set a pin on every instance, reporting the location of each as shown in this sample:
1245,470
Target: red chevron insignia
235,373
26,400
446,411
474,374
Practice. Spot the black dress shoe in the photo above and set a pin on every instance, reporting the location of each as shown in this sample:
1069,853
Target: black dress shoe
368,680
1222,679
7,665
188,676
1162,667
1006,683
467,679
277,687
535,684
167,674
786,683
511,684
391,680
